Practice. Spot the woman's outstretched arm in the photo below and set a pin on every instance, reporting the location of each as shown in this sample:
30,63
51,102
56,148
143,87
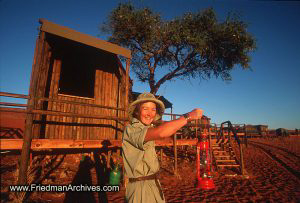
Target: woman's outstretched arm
171,127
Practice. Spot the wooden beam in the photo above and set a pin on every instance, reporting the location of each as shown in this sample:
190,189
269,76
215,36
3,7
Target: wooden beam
57,113
16,144
171,114
77,103
180,142
39,144
175,153
25,153
7,94
12,104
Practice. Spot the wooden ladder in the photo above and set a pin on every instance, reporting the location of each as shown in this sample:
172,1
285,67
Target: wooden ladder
224,158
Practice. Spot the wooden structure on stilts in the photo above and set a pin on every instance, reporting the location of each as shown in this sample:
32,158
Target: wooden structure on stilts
76,80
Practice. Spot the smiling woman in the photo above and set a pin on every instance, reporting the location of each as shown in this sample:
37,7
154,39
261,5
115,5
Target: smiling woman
139,156
146,112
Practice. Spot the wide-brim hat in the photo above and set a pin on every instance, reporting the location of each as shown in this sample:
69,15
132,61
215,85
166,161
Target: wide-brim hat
147,97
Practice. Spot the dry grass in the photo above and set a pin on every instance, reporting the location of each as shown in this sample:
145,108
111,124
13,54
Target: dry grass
291,143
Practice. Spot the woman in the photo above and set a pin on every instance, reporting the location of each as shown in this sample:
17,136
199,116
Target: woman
139,156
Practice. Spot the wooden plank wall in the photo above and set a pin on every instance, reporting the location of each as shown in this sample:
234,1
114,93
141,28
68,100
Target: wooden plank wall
109,91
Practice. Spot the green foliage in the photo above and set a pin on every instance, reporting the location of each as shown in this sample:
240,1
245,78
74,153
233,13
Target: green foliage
193,45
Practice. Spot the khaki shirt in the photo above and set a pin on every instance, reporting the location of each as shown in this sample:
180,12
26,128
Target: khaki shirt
140,159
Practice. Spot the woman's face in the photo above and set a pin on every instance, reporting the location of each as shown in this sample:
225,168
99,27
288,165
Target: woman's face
147,112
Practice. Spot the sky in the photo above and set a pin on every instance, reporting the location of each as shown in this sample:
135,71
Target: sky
269,94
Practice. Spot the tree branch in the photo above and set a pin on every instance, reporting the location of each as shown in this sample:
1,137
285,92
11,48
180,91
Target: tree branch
173,74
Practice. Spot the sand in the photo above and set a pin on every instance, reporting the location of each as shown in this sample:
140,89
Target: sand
272,175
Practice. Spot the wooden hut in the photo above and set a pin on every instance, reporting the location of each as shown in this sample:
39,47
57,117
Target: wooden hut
78,75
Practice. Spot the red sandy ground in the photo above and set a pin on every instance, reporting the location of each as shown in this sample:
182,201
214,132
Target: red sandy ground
268,180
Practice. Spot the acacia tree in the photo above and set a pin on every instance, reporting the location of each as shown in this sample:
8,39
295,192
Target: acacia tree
194,45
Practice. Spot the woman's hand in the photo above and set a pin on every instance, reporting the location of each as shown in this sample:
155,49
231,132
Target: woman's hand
196,114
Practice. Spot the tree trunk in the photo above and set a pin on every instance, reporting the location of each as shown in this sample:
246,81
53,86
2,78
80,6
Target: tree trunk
154,90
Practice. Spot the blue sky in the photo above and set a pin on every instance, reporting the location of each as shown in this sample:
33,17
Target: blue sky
269,94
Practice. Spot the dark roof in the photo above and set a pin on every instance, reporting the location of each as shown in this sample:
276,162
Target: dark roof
161,98
68,33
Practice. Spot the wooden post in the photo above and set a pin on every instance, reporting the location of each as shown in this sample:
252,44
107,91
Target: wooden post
223,137
229,134
210,147
173,117
40,87
126,108
242,160
25,154
175,154
127,84
196,130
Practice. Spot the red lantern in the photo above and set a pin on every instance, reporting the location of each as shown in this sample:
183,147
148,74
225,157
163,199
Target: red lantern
204,165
